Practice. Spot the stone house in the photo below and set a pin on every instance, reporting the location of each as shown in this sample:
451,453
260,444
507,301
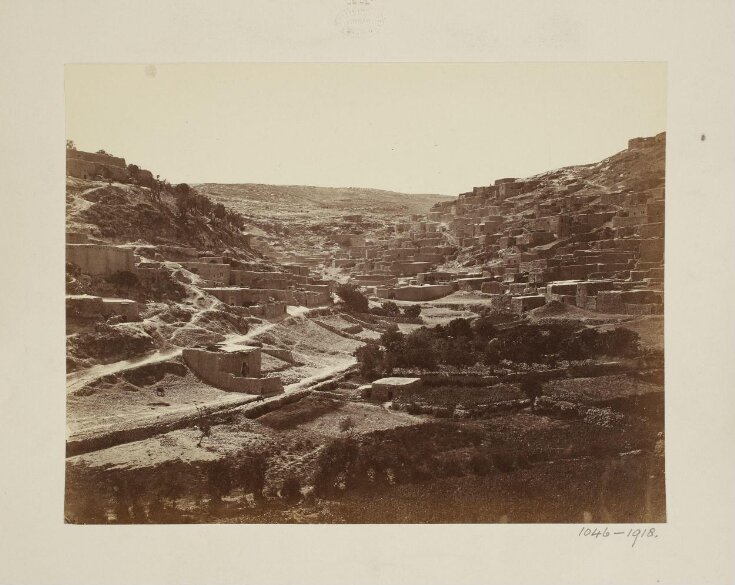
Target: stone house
234,371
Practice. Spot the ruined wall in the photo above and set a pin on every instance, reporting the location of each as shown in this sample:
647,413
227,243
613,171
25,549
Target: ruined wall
93,157
100,259
216,273
232,371
87,165
525,303
631,302
124,307
389,388
493,287
272,280
274,310
88,306
427,292
411,268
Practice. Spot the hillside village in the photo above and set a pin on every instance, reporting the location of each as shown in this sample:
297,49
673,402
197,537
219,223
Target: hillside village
276,360
569,235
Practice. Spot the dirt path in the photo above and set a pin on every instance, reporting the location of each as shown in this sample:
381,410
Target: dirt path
187,415
79,379
148,424
322,374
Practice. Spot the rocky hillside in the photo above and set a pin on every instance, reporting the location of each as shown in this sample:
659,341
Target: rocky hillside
121,213
617,185
296,218
631,170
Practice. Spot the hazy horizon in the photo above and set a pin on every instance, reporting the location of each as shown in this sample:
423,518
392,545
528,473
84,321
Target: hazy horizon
409,128
339,187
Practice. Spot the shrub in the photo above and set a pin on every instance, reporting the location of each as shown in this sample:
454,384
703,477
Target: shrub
203,204
484,327
412,311
183,189
392,339
395,347
235,219
249,474
346,424
123,279
457,328
420,349
620,342
333,460
457,353
184,200
370,358
532,387
203,424
291,489
219,211
219,480
390,308
352,298
413,408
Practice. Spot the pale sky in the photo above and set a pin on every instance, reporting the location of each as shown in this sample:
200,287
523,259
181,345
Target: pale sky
416,128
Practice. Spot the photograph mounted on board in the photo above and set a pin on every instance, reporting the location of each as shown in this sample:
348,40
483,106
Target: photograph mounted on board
365,293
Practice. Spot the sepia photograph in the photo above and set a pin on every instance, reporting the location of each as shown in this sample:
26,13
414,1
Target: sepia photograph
368,293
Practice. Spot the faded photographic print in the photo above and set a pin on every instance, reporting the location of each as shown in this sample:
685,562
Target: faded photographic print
365,293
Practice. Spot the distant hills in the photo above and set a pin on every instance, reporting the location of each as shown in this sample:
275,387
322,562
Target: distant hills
296,198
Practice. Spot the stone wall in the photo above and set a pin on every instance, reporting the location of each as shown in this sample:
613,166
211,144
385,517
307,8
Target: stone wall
100,259
88,306
93,157
525,303
215,273
233,295
493,287
125,308
237,371
274,280
88,165
389,388
426,292
275,310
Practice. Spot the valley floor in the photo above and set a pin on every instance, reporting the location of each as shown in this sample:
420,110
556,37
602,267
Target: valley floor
327,455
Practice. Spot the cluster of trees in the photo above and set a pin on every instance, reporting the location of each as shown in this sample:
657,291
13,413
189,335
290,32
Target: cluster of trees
357,302
463,343
409,455
353,299
390,309
188,201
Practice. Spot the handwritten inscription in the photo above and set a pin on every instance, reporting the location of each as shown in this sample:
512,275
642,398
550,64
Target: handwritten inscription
633,534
